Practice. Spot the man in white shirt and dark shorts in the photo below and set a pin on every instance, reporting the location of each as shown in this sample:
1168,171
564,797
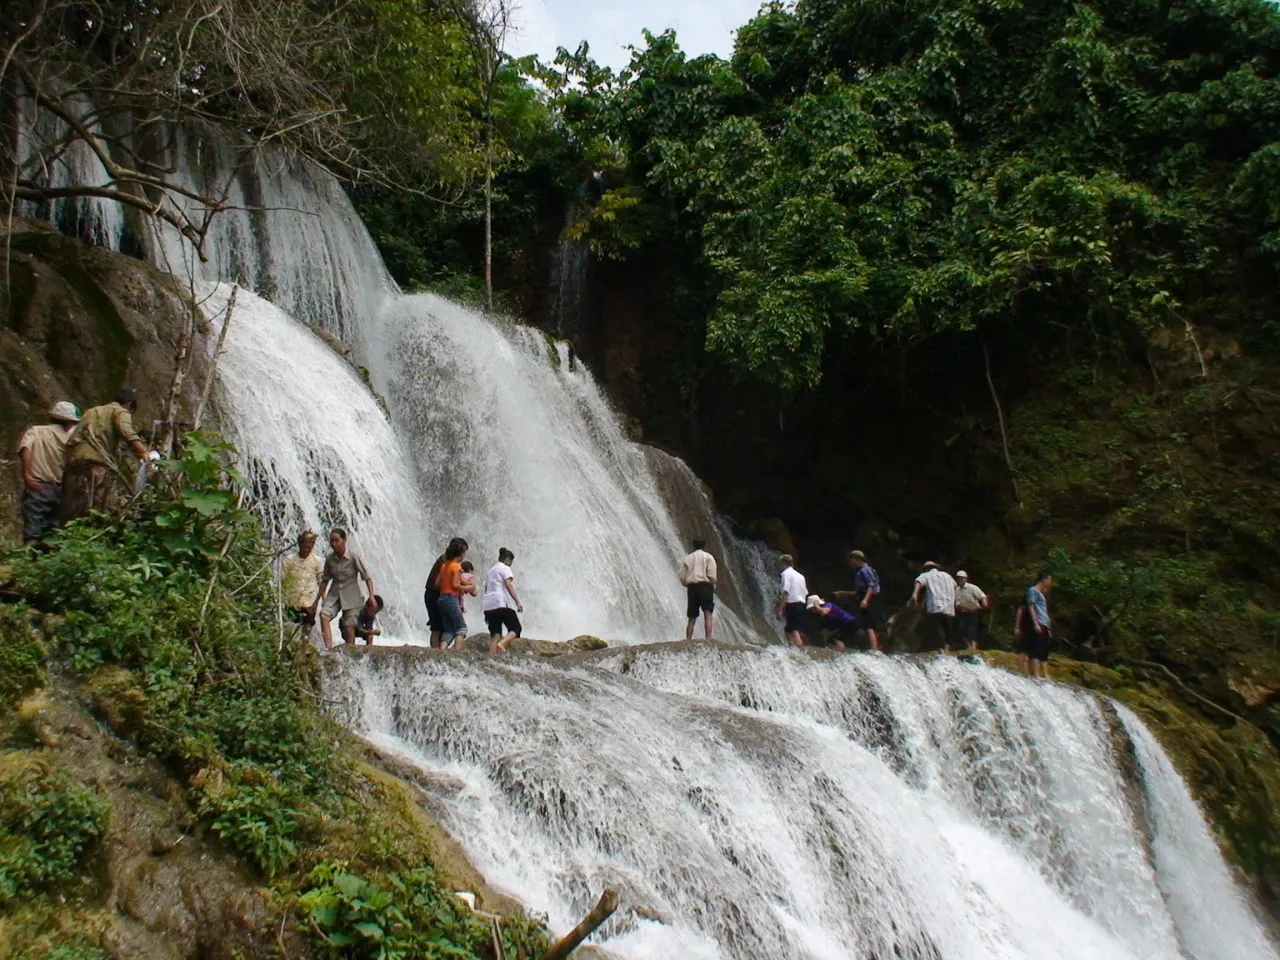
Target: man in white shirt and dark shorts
935,590
501,604
791,600
698,574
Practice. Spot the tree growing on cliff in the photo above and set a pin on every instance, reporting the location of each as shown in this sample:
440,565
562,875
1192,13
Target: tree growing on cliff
372,90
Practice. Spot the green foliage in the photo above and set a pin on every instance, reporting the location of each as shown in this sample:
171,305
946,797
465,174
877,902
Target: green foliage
408,915
49,822
22,657
66,952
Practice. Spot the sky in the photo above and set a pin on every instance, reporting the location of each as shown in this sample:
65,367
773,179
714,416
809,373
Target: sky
702,26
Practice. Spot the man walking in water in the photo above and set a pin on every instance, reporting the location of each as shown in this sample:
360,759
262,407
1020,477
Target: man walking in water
937,590
866,597
1032,629
501,604
970,602
698,574
343,571
40,454
793,591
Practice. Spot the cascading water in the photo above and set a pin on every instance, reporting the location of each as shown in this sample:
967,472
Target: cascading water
765,804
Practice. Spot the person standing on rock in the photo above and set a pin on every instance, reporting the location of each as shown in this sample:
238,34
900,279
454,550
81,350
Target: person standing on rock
343,572
431,593
866,597
970,602
793,591
41,453
935,590
300,584
449,581
698,574
91,477
501,604
1033,627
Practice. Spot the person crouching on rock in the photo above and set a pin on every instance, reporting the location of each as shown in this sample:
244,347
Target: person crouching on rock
367,623
501,603
40,454
343,572
452,588
832,617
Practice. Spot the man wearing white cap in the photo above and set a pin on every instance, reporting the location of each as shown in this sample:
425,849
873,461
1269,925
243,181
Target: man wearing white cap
970,602
40,453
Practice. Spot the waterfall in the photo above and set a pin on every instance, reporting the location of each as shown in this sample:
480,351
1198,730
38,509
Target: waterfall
490,430
754,804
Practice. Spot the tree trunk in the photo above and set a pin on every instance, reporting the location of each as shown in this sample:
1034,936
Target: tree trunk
602,912
488,221
1004,434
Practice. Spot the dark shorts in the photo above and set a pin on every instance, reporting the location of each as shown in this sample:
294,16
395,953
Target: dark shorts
968,627
39,510
939,629
702,596
500,621
795,617
1035,645
871,618
431,598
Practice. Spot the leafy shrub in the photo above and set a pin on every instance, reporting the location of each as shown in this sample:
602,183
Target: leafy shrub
256,819
21,657
412,915
48,824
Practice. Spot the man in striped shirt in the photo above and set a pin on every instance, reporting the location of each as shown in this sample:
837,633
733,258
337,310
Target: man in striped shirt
936,592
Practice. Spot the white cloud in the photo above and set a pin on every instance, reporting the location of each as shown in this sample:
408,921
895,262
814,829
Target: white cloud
702,26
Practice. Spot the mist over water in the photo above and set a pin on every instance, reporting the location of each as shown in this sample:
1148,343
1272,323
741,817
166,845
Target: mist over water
748,803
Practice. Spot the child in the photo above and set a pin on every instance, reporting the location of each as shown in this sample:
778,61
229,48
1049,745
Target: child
367,620
468,580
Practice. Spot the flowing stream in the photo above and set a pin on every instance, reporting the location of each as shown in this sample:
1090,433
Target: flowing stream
749,803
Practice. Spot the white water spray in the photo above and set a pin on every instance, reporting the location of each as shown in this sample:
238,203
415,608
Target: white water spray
766,804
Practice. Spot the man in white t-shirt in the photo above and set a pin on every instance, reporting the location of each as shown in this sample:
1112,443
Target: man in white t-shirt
970,602
936,592
793,590
501,603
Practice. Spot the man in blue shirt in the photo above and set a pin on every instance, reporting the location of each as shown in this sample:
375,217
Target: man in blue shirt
1033,629
866,597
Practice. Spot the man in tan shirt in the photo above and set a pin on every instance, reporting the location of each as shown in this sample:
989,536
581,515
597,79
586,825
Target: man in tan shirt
698,574
92,470
40,453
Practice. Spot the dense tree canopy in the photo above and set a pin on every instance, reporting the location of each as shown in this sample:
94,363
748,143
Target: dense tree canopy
871,171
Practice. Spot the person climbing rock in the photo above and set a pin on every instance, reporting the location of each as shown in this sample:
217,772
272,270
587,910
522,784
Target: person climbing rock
832,617
93,475
866,597
431,593
367,622
300,583
1033,628
793,590
935,591
449,581
41,452
698,574
970,602
501,604
343,572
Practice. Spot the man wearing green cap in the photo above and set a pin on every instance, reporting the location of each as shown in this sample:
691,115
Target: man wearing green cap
40,454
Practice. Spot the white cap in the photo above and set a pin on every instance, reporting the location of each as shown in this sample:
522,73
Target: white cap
813,600
961,573
66,411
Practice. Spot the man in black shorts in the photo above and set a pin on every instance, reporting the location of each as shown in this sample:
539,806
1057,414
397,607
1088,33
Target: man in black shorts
431,595
866,598
793,592
698,574
1033,629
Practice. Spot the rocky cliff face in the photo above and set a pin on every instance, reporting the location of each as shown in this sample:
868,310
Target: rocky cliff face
78,323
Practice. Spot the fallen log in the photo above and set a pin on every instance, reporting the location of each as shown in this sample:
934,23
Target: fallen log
599,914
